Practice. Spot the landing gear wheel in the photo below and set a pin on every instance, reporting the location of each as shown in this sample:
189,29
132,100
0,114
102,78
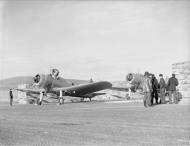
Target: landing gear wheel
38,102
127,97
82,99
61,101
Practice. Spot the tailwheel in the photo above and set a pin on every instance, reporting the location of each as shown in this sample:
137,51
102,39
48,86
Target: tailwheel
38,102
127,97
82,99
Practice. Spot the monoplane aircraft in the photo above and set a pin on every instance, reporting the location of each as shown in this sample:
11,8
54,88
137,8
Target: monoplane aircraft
57,87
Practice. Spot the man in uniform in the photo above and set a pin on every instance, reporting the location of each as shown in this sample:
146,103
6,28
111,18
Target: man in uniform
162,86
11,97
172,83
147,89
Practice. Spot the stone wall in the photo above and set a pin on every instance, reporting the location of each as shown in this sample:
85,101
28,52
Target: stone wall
182,71
21,96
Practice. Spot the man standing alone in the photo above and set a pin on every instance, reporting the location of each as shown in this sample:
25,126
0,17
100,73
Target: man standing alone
172,83
162,86
11,97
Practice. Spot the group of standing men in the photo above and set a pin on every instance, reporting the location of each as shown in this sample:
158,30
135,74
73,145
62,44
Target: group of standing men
152,86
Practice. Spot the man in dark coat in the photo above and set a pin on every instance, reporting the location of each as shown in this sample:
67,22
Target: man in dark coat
154,91
11,97
172,83
162,87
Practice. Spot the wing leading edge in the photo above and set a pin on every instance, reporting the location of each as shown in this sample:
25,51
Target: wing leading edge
77,90
84,89
34,91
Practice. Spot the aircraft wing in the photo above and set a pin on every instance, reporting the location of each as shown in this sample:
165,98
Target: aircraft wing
83,89
120,89
124,88
34,91
96,94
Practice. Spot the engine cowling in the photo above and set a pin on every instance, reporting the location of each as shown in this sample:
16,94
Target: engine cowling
135,79
43,81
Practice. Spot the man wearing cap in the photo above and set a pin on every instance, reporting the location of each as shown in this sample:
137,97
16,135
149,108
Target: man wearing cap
172,83
147,89
162,86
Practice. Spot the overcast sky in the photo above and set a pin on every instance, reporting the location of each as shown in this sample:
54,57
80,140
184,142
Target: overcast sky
100,39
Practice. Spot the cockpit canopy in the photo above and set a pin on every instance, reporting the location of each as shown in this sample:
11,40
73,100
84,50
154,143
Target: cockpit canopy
54,73
36,78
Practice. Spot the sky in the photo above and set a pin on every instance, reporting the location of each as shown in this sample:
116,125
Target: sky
103,40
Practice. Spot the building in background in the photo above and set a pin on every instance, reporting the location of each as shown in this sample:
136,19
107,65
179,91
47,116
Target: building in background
182,72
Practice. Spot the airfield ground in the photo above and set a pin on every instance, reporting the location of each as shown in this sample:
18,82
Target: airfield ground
95,123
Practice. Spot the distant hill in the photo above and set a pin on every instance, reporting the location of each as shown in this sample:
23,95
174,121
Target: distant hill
14,81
